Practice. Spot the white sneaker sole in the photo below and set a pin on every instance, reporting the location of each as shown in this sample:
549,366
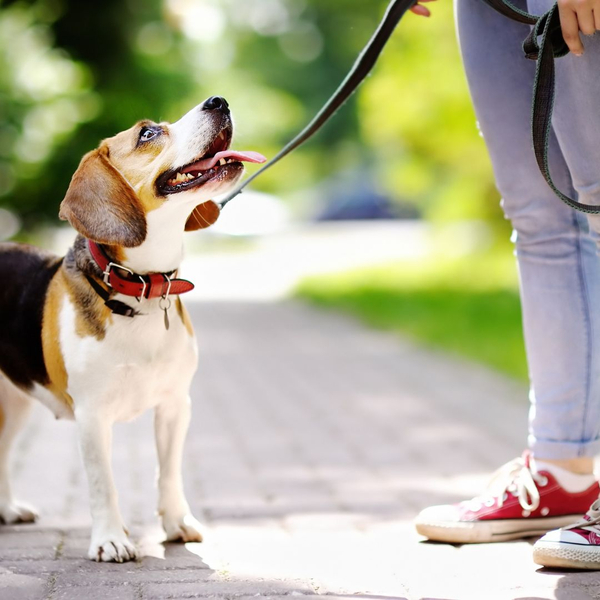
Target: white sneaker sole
566,556
501,530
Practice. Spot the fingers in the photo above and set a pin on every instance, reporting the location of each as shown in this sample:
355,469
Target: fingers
578,16
422,11
570,28
585,18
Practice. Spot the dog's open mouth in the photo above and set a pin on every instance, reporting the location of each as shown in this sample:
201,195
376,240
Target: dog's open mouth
219,162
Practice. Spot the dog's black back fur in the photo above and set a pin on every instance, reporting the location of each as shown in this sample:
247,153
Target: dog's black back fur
25,273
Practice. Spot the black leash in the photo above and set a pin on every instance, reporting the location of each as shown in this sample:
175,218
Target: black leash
551,45
362,67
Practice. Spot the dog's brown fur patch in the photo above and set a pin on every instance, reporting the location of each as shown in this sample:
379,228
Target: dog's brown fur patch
102,205
91,315
184,316
55,364
141,164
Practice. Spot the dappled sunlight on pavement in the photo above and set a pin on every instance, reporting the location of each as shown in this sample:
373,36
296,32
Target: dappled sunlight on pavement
313,444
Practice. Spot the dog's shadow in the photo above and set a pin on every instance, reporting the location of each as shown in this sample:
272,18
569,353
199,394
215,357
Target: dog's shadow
156,554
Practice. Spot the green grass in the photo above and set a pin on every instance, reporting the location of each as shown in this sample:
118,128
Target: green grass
468,306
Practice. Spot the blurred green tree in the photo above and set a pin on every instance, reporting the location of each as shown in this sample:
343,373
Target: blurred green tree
73,72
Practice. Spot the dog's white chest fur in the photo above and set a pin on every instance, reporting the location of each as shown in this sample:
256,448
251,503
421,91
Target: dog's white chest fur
136,365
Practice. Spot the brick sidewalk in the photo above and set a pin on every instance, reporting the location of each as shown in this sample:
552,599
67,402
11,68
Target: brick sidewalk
313,443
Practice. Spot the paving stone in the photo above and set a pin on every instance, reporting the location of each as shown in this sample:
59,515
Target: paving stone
21,536
130,576
123,591
313,443
224,588
22,587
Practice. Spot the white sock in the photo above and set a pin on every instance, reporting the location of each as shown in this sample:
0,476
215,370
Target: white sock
572,482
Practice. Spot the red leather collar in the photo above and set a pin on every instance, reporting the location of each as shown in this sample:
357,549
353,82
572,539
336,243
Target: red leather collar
125,281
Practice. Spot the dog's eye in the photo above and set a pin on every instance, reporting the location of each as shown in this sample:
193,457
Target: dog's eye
147,133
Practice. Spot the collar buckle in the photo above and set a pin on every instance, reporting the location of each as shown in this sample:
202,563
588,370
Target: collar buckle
113,265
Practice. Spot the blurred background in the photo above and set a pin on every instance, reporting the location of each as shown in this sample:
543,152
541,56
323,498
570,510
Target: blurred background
390,213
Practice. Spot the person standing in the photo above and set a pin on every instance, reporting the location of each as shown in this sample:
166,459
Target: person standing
552,485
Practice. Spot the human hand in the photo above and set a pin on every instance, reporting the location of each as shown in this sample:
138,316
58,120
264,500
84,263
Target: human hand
423,11
576,16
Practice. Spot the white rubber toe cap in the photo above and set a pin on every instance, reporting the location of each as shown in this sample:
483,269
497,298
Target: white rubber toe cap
436,514
566,536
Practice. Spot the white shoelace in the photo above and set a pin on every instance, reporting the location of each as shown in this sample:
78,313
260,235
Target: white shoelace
517,478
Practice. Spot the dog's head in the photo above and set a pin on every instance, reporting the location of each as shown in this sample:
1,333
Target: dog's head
141,169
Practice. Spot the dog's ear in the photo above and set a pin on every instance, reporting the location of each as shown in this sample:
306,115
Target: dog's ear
101,205
203,216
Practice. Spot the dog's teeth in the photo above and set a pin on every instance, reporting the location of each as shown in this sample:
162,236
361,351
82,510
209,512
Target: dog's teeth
181,178
222,162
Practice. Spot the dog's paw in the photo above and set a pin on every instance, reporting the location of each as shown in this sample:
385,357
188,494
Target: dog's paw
17,512
112,548
184,528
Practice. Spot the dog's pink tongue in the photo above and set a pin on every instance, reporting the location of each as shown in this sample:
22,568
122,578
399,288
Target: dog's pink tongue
209,163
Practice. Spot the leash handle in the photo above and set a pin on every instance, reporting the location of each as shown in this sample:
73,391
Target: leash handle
361,68
551,45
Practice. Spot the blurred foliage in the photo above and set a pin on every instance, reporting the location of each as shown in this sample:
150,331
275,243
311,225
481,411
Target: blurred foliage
73,72
468,306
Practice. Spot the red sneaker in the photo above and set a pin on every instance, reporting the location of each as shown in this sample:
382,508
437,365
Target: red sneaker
574,547
519,502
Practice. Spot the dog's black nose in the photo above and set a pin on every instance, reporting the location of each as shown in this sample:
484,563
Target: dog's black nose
216,103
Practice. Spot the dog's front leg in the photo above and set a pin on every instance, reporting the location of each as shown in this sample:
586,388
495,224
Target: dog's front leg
172,418
109,537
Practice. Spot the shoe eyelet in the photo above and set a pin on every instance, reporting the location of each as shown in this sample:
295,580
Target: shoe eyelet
490,502
543,481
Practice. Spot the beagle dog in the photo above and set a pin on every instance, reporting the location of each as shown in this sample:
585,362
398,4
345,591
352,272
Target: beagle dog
101,335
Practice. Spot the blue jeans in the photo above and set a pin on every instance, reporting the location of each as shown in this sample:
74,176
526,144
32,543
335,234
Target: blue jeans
556,247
